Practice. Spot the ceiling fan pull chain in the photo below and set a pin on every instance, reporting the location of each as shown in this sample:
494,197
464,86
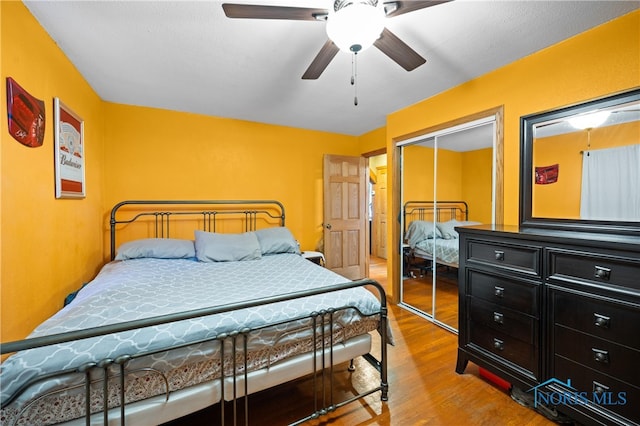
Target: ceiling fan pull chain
354,77
353,73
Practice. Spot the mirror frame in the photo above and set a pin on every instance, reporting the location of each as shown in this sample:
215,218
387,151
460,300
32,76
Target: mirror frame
527,123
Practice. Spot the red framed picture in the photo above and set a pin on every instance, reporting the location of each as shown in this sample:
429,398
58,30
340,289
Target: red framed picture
69,152
547,174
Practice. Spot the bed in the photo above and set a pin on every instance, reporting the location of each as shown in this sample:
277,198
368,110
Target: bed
202,302
430,235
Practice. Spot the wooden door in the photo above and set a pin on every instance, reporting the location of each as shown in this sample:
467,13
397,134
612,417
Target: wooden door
345,215
380,213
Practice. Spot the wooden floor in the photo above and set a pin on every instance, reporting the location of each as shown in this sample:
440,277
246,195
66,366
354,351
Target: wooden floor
423,386
418,292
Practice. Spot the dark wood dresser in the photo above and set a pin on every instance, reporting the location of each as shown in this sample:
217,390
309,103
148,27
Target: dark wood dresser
556,314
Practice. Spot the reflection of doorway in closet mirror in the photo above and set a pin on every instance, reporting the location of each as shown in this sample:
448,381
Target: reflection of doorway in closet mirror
447,181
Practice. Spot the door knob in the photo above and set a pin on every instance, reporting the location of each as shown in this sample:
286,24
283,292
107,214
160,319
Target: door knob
328,226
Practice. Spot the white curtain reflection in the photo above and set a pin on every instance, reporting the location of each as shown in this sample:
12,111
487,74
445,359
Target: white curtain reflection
611,184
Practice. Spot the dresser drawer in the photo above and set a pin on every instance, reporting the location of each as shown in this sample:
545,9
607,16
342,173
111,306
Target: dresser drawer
611,394
606,357
591,267
514,294
508,347
522,327
512,257
599,317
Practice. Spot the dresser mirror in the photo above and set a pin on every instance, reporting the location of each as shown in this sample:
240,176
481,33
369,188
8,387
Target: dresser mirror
580,166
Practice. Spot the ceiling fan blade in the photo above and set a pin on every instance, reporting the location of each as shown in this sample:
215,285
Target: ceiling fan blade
399,51
250,11
321,61
399,7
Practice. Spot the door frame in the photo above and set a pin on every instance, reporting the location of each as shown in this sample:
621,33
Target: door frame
368,155
379,205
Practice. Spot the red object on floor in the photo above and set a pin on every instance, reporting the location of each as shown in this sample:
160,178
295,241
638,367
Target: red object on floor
489,376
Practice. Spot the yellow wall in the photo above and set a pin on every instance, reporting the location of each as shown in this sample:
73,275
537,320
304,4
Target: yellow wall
461,176
477,183
49,247
449,175
373,141
179,155
377,161
417,169
562,198
597,62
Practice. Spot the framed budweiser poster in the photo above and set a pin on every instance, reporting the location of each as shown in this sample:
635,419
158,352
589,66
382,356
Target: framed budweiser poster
69,152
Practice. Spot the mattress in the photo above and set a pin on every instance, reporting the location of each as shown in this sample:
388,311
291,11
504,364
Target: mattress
142,288
446,251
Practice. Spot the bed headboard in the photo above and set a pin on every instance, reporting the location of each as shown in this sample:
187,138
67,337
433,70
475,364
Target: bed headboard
179,218
440,211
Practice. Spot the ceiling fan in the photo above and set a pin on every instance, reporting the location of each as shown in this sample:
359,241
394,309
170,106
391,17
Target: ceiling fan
352,26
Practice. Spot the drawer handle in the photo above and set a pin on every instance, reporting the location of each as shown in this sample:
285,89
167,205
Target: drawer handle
599,388
601,321
498,291
499,254
600,356
498,317
498,344
602,273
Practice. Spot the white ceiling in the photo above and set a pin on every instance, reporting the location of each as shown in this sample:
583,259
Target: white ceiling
462,140
187,56
619,114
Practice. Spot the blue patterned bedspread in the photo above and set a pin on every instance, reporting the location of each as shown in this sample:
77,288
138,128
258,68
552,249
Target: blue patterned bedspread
141,288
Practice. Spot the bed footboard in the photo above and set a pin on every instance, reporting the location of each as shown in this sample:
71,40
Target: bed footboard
109,380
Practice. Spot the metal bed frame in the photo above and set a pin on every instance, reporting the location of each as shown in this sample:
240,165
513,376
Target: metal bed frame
270,209
430,210
424,210
322,324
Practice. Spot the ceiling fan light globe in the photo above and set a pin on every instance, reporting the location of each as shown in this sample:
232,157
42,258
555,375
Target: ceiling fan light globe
589,121
356,27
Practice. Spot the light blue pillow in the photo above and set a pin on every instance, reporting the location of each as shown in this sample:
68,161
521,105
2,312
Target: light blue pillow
447,228
420,230
159,248
215,247
277,240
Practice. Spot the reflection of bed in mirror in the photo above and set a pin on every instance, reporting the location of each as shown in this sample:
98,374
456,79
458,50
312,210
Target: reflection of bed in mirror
429,230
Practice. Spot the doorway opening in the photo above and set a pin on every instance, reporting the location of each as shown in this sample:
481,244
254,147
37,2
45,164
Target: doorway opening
377,215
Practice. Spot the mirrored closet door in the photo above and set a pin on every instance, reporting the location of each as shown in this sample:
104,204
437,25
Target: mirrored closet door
447,181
